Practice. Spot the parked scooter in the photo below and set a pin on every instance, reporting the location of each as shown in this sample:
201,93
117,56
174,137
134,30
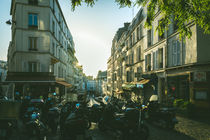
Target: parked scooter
34,127
6,128
161,116
53,119
76,124
95,110
124,126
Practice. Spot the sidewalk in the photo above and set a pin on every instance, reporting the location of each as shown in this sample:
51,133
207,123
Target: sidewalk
199,130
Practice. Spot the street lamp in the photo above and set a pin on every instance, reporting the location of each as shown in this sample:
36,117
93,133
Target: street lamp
9,22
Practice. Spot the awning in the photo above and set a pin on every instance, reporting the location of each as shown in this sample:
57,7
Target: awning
128,86
64,83
144,81
118,91
54,60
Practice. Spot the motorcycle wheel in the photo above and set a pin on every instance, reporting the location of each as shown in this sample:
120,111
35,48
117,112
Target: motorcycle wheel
88,124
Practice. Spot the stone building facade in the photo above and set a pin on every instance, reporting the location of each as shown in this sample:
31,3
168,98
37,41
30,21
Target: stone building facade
175,67
41,54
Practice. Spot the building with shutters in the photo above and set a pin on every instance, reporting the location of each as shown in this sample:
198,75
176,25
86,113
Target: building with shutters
178,68
41,54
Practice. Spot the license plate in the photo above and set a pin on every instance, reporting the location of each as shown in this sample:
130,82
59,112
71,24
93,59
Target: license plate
2,132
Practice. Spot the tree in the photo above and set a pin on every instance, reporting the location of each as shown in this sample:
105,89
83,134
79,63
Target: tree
181,11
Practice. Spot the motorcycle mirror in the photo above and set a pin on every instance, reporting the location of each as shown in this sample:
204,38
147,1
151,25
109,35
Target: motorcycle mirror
77,105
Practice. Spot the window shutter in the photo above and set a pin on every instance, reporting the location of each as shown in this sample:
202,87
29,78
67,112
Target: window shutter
153,54
174,53
35,20
145,63
35,42
152,32
178,52
30,19
30,43
156,60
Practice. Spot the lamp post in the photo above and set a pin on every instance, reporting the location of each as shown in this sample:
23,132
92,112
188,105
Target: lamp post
10,22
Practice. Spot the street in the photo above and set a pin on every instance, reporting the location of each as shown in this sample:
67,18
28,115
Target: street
185,130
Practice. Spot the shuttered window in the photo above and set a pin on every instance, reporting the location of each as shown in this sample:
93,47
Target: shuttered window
32,43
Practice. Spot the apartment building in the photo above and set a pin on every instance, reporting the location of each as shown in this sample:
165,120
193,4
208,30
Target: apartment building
3,70
101,83
173,67
41,54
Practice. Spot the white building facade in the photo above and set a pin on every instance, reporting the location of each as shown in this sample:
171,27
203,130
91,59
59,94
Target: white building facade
41,52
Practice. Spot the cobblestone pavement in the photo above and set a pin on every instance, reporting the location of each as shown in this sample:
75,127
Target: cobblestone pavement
186,129
195,129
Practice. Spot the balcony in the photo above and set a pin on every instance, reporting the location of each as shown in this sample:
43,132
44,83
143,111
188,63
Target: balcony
30,76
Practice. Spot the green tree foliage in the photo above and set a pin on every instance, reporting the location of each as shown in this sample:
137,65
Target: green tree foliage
181,11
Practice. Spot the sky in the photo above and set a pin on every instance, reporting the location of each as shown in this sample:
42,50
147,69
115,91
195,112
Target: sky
92,28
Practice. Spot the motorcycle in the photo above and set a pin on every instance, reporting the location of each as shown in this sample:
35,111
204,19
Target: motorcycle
53,119
6,129
126,125
95,110
76,124
35,129
161,116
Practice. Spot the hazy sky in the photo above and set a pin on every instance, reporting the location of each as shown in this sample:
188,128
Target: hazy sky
93,29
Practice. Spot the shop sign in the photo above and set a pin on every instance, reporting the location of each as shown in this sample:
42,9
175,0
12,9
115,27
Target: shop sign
199,76
201,95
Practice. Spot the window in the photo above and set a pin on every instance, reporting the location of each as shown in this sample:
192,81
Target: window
139,71
53,3
138,54
176,53
51,68
130,41
141,31
138,34
53,27
60,36
148,62
126,43
132,56
175,23
33,2
32,43
53,48
134,39
153,60
149,38
162,36
129,76
160,58
33,20
33,66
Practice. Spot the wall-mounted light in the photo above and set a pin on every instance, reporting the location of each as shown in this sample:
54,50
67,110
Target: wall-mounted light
9,22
